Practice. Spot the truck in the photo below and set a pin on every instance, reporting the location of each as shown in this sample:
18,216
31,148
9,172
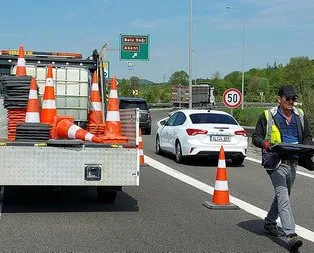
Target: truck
202,96
60,163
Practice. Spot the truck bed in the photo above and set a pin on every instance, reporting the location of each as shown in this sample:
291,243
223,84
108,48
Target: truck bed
30,163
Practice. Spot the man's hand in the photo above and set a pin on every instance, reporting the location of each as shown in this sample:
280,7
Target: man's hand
267,145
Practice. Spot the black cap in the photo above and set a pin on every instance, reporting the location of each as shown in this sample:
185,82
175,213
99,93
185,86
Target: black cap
287,90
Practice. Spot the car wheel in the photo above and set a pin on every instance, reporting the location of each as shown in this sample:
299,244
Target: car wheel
237,161
179,157
158,149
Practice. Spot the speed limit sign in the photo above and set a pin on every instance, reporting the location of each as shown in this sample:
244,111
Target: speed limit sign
232,98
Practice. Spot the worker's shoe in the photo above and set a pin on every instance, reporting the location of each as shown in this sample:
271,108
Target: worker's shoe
294,242
271,228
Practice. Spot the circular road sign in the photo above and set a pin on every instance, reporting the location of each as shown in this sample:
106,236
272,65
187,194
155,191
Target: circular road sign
232,98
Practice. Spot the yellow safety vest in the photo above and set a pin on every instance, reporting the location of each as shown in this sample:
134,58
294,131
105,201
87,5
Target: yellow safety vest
272,131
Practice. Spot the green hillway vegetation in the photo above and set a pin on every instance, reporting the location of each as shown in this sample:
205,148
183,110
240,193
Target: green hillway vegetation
260,85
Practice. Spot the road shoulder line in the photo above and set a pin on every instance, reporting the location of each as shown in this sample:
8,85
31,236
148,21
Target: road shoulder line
256,211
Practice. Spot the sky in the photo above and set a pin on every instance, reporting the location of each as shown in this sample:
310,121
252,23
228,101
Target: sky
272,31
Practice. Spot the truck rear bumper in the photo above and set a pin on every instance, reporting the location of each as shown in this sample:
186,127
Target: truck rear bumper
64,166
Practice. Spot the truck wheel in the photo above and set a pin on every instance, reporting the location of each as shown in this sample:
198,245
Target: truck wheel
237,161
148,130
1,193
106,195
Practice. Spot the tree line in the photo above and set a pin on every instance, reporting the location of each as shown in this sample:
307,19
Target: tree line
260,84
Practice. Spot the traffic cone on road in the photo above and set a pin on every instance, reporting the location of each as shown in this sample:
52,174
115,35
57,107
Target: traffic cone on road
141,149
113,130
49,110
32,112
221,192
68,130
21,67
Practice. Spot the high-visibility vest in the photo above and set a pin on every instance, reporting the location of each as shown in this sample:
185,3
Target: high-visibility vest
272,131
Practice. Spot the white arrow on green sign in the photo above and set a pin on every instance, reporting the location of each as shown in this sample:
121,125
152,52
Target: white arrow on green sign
134,47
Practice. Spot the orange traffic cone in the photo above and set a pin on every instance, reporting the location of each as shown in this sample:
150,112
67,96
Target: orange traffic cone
95,123
95,114
21,67
141,149
113,131
66,129
32,112
48,111
221,192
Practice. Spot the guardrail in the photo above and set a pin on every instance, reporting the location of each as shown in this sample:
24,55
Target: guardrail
218,105
249,129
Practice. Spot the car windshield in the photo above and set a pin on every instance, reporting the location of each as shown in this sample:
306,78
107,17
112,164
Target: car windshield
209,118
133,104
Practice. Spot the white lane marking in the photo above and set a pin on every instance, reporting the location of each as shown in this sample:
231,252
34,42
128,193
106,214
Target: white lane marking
298,172
301,231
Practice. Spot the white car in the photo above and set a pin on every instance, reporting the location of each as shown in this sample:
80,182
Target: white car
190,133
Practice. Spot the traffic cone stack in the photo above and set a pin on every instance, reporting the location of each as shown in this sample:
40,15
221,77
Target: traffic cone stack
95,123
21,67
220,198
68,130
113,130
32,112
16,103
49,110
141,149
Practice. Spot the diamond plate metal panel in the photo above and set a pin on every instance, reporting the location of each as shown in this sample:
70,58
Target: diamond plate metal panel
34,165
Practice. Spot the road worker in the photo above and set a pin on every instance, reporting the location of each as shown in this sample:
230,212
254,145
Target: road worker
282,124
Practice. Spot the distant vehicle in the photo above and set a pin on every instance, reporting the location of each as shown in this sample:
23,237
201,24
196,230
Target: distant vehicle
190,133
202,96
145,115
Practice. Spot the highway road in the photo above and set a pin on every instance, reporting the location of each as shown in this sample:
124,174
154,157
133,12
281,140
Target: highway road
164,214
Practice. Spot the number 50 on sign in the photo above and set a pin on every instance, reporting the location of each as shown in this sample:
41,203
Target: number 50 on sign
232,98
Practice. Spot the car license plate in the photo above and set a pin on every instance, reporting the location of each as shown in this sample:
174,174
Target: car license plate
220,138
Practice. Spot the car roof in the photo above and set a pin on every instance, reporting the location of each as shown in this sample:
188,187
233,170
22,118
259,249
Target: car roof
132,99
192,111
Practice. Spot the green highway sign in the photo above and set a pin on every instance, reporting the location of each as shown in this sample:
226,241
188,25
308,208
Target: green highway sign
134,47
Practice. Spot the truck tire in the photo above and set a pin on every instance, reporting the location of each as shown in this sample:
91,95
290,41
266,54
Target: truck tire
237,161
107,194
148,131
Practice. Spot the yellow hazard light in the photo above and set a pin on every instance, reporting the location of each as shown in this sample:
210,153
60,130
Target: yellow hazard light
43,54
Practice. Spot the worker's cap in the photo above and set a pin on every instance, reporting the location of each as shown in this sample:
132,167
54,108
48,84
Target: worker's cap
287,91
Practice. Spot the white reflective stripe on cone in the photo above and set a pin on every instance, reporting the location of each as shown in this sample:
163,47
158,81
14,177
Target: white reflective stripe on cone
32,117
141,152
49,82
140,139
32,94
72,131
113,116
113,94
89,137
96,106
21,62
221,185
95,86
221,163
49,104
